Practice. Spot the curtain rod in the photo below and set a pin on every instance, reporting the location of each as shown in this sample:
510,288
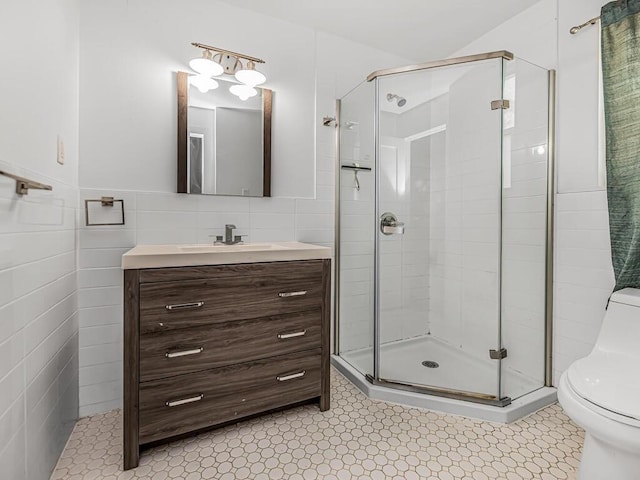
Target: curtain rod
577,28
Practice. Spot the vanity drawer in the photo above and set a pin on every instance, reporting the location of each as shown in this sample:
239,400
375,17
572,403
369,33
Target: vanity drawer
177,405
270,289
189,350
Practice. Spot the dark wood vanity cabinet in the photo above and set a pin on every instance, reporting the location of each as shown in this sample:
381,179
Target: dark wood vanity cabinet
209,345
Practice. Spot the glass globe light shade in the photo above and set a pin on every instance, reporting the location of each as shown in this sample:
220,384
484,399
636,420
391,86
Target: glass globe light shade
250,76
205,65
203,83
243,91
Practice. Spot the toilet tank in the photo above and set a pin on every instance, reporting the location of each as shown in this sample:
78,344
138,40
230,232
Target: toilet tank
620,331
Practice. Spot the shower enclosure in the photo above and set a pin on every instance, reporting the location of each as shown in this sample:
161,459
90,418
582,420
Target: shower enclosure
443,248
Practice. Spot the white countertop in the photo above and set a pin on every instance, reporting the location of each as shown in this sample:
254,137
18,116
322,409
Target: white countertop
158,256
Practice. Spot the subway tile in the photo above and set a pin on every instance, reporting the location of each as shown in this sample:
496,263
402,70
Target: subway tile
167,235
27,278
11,422
100,392
314,221
13,462
100,407
11,354
314,236
272,205
272,235
102,315
216,203
585,201
100,354
42,327
595,240
100,277
107,238
157,220
272,221
214,222
25,248
167,202
99,335
99,297
102,373
12,387
304,207
600,259
42,354
100,257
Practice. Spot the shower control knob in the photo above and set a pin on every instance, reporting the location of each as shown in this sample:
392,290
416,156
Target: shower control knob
389,224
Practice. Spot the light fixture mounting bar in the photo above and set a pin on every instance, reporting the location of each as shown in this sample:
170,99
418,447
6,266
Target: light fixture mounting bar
227,52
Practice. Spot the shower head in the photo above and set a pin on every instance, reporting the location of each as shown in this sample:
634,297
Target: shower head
400,101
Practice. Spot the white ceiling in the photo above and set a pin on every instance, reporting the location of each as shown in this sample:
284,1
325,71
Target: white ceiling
419,30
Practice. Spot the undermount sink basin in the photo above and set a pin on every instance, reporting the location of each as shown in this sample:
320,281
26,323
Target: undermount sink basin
158,256
238,247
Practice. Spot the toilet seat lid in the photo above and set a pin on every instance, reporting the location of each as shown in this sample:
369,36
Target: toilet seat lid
609,380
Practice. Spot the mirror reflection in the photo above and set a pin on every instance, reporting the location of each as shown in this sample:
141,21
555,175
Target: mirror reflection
227,141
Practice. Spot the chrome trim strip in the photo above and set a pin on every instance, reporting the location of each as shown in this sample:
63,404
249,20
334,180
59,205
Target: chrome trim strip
184,353
283,336
336,243
441,63
500,230
184,306
177,403
376,238
284,378
442,392
292,294
551,189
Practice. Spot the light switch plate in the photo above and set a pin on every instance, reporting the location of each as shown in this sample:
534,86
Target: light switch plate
60,150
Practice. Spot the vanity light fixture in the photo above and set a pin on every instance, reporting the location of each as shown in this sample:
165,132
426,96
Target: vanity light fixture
216,61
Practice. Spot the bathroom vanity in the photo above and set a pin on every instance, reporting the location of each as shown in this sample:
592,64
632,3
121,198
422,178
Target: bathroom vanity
214,334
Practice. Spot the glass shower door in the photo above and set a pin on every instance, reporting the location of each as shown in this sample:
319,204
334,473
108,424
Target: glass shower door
356,228
438,238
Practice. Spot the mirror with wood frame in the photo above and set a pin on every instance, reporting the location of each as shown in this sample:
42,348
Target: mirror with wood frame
224,142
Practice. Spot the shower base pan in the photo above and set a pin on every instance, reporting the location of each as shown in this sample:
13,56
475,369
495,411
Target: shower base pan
450,367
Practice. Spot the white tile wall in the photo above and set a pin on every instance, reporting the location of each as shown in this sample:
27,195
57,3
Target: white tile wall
39,326
38,287
583,275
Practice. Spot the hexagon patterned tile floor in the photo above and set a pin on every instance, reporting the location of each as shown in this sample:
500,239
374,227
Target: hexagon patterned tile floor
357,438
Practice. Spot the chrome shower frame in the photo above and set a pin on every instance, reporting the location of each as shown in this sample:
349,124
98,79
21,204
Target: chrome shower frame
375,379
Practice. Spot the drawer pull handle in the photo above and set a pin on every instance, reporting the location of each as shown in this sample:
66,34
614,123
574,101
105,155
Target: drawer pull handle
292,294
282,336
184,305
284,378
184,353
184,401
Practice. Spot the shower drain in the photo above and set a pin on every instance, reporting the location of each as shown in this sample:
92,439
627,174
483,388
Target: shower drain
430,364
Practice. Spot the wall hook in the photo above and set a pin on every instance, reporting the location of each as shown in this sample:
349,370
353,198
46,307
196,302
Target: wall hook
327,121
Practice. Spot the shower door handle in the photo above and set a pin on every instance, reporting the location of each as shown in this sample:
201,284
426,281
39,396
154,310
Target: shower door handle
389,224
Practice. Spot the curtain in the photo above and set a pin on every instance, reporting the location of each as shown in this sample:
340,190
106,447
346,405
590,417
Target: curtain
620,23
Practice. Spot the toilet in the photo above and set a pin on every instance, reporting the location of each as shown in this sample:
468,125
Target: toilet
601,393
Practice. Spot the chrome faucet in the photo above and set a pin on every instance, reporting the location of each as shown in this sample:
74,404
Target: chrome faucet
229,237
228,233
